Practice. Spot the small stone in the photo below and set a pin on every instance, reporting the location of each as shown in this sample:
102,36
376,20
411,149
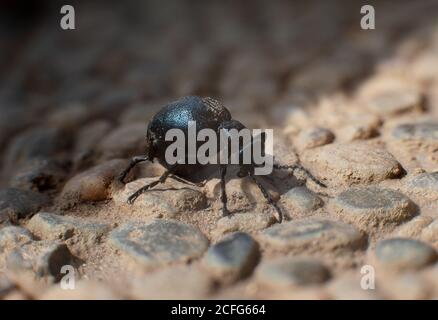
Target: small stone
402,254
424,185
39,175
43,142
52,226
312,235
91,134
95,183
373,207
353,132
314,137
176,282
350,163
13,236
69,116
421,131
124,141
43,258
159,242
395,102
301,199
245,222
232,258
415,144
287,272
16,204
166,199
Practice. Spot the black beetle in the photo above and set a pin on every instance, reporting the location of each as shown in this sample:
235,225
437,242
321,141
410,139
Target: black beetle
207,113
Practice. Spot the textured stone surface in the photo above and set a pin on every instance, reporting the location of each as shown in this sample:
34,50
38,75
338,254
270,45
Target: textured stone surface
93,184
245,222
39,175
351,163
424,185
233,257
372,207
159,242
16,204
393,102
314,137
52,226
286,272
312,235
404,254
302,200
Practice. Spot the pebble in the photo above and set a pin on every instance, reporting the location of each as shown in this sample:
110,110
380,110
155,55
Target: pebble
93,184
16,204
426,132
401,254
53,226
312,235
372,207
166,199
13,236
302,200
233,257
39,175
350,163
125,141
394,102
159,242
292,271
43,258
424,185
314,137
245,222
42,142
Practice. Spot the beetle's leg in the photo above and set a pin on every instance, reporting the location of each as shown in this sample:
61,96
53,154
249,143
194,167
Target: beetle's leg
223,171
200,184
131,165
294,167
142,190
268,197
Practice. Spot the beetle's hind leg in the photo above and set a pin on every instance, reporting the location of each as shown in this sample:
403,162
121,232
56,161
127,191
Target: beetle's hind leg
268,197
132,164
142,190
294,167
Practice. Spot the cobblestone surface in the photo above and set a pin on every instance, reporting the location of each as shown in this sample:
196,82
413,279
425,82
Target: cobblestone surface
358,108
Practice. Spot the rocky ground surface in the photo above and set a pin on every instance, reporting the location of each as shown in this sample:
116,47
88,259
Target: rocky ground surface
360,108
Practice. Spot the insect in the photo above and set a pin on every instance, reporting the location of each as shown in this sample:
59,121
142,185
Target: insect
208,114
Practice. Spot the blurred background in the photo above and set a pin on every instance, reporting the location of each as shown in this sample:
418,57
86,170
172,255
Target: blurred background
78,97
